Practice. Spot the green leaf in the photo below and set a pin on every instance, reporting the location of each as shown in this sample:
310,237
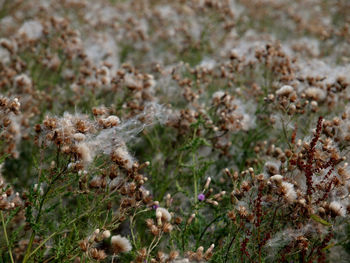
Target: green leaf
195,144
179,188
320,220
328,247
2,158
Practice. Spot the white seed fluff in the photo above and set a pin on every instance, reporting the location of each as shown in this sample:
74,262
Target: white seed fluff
165,215
285,90
337,208
85,152
277,178
289,192
120,244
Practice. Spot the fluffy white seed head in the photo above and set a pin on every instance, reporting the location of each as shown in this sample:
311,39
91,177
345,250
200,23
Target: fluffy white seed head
285,90
114,120
106,234
337,208
85,152
277,178
163,214
32,29
120,244
122,154
288,191
79,136
315,93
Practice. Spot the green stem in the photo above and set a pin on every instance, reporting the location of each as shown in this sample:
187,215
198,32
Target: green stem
285,133
194,180
231,243
5,233
206,228
26,256
41,244
153,244
31,240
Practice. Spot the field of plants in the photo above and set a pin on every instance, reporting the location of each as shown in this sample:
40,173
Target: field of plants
174,131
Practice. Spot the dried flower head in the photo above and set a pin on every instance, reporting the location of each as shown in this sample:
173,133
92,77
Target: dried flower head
163,214
120,244
288,191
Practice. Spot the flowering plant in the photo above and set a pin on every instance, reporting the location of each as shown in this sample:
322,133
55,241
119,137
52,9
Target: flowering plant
174,131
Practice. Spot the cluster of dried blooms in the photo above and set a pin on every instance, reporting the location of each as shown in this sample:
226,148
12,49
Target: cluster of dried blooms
174,131
309,183
118,244
10,125
9,199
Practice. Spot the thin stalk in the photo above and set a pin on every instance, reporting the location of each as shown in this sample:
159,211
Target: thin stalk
132,230
231,243
6,237
183,238
132,225
31,240
153,244
195,186
194,172
285,133
42,243
205,229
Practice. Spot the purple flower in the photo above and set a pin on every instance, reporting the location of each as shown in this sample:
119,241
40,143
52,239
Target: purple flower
201,197
155,207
